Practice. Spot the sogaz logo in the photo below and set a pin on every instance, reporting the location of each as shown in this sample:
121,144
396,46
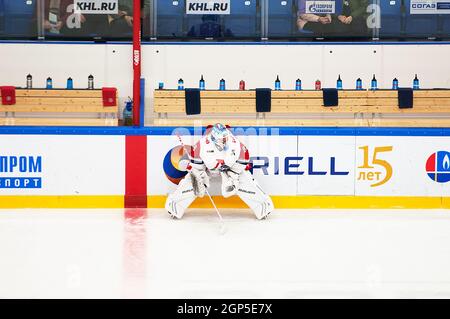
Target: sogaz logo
423,7
20,172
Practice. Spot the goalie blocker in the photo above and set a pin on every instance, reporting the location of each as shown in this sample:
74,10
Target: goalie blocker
219,153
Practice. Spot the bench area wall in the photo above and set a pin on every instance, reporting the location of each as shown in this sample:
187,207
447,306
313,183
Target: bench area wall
300,168
256,63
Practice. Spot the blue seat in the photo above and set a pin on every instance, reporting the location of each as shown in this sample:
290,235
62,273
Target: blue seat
19,18
170,16
244,20
420,25
445,26
282,18
2,10
391,18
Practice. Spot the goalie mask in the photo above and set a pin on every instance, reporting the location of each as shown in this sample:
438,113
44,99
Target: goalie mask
219,136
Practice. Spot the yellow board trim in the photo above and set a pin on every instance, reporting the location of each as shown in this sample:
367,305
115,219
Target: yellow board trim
280,202
80,201
322,202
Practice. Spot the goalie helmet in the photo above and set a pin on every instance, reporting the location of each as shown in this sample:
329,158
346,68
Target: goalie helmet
219,136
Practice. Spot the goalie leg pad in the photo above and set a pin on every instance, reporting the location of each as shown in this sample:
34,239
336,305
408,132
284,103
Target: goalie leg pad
254,196
182,198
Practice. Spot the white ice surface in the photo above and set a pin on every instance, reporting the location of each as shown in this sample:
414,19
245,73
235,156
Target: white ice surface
294,254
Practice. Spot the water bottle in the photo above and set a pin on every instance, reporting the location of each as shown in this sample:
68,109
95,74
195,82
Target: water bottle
242,85
222,85
395,84
359,84
91,82
180,84
277,84
128,113
318,85
374,83
416,85
202,83
298,85
69,84
29,81
339,83
49,84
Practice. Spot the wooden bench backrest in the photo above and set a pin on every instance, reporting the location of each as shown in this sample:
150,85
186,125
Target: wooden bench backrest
244,102
55,101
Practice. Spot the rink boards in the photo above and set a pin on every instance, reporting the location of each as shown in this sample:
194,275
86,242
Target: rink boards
300,168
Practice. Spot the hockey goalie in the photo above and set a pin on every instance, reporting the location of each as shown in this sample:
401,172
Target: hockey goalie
219,154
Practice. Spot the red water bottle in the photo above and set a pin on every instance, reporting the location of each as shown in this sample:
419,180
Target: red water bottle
242,85
318,85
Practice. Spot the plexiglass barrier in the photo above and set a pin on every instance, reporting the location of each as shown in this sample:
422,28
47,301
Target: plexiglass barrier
226,20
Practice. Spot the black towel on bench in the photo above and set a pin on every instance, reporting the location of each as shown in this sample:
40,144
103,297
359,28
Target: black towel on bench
405,98
263,100
330,97
193,102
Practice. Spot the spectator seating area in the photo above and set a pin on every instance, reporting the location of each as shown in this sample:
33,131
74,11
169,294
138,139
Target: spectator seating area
398,22
170,21
60,108
249,19
18,18
431,108
243,22
282,18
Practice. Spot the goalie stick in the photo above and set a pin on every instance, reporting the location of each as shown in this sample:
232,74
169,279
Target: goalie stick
222,222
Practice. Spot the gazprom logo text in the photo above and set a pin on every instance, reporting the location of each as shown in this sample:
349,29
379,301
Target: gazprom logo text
321,7
20,171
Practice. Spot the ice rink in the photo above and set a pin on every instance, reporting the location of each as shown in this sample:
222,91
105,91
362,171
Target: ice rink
293,254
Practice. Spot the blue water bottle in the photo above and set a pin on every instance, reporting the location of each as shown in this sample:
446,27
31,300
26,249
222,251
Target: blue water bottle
277,84
339,83
69,84
202,84
222,85
180,84
374,84
395,84
416,85
298,85
49,84
359,84
128,113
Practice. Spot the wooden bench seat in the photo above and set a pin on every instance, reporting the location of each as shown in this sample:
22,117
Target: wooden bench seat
59,108
362,108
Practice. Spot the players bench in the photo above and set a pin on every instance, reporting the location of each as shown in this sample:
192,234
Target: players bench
363,108
58,107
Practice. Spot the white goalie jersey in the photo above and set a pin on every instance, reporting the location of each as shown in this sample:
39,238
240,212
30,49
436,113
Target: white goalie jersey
219,154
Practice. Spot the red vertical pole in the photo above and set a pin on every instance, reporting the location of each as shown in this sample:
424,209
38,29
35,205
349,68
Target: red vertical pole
136,171
136,61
